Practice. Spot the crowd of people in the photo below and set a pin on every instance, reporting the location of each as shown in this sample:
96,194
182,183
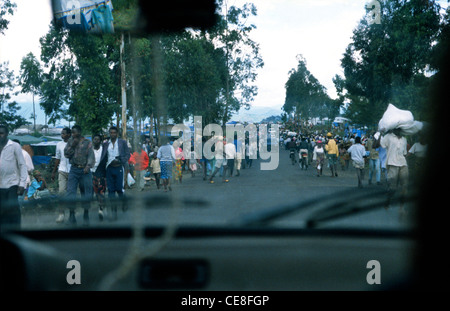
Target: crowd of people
363,152
102,168
383,155
99,166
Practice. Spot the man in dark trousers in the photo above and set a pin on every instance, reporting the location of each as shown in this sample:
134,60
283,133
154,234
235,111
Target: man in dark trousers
114,163
82,159
13,178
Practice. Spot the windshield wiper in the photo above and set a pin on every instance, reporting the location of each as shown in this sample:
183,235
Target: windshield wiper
350,208
336,205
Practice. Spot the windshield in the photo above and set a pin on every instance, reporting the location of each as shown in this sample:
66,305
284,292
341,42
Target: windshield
284,114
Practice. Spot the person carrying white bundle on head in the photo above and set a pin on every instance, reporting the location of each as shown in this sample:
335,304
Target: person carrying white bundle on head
395,124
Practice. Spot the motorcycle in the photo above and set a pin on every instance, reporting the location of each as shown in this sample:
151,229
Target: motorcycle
303,159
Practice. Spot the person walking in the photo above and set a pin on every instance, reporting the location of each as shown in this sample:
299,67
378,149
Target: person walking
140,160
230,155
62,166
344,157
357,153
179,162
304,149
397,166
98,176
221,162
156,169
13,179
166,156
374,162
81,157
114,164
240,155
382,156
249,153
333,153
204,162
192,161
30,168
319,157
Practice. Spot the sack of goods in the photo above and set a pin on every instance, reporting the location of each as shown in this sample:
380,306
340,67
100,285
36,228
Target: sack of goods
396,118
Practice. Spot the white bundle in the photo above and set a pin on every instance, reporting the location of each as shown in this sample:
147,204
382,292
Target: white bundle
411,128
396,118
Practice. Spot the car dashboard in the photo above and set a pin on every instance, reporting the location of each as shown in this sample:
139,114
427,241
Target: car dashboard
206,259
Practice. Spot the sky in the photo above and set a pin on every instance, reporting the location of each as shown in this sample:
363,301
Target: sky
319,30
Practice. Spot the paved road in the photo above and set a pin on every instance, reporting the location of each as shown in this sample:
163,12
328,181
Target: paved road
254,191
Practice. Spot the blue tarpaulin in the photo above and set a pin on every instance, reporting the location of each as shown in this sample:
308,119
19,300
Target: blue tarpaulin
37,160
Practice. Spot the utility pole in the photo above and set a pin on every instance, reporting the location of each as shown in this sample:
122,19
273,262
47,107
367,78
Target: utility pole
123,88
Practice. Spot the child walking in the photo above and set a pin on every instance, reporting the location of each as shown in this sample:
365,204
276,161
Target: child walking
156,169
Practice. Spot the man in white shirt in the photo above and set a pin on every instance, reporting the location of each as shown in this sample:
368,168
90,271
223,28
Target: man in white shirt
28,162
13,178
30,169
62,165
114,166
230,155
397,167
357,153
98,176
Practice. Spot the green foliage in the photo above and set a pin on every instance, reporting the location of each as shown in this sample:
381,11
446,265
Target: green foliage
199,73
306,97
232,35
7,7
10,116
59,76
195,78
30,78
78,80
388,62
30,74
125,14
9,110
440,49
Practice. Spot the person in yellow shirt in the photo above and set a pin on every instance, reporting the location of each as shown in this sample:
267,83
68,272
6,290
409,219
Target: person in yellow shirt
333,153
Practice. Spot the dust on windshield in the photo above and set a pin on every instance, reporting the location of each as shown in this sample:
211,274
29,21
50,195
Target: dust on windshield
290,114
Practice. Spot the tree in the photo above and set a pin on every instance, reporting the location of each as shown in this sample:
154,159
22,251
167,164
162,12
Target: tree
59,76
207,73
9,110
6,8
305,96
242,57
388,62
195,78
30,78
79,80
91,103
443,42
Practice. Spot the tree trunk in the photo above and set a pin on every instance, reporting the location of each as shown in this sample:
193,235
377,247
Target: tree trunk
34,116
151,129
